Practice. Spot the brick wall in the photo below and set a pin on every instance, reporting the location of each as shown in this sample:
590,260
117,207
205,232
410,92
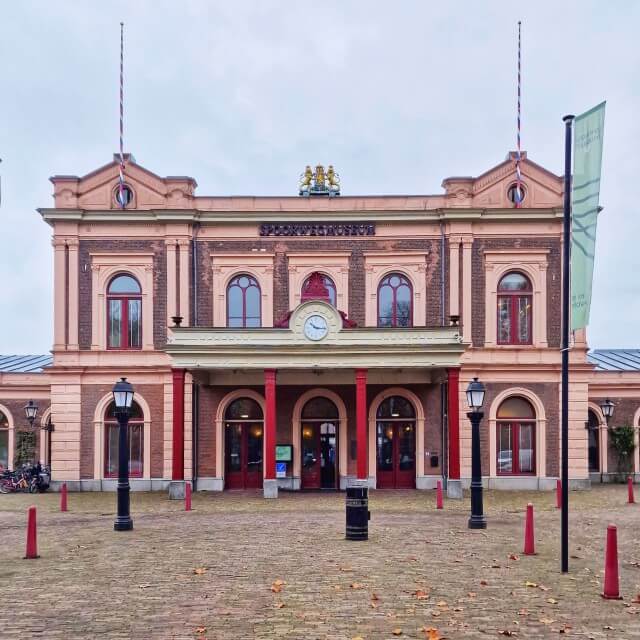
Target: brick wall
280,247
287,396
548,394
91,395
156,247
623,415
480,245
16,408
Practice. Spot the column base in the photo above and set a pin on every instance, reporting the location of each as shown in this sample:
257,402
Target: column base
177,490
123,524
454,489
477,522
270,488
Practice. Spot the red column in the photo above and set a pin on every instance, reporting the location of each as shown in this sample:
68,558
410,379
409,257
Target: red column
177,472
270,424
361,425
454,423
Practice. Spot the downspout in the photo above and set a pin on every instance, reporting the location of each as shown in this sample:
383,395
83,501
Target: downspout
444,430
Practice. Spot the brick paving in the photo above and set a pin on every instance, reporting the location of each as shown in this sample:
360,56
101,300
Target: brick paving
420,569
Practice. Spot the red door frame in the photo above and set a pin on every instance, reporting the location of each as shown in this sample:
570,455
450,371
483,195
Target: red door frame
311,479
397,479
243,479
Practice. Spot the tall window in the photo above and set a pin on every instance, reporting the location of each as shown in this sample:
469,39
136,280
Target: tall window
4,441
325,280
514,309
243,302
124,313
593,425
136,442
516,437
395,301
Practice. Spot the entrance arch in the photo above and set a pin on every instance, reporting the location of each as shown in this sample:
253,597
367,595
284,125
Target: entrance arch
341,436
396,454
221,444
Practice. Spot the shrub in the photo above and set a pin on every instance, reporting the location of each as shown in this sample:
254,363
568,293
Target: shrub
622,440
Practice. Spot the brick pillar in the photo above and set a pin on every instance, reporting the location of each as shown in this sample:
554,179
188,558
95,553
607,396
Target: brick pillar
270,483
361,425
177,472
454,488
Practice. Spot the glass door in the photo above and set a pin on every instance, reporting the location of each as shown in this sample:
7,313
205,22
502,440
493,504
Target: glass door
328,456
243,455
311,459
396,455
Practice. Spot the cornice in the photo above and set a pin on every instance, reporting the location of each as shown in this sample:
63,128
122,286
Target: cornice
321,215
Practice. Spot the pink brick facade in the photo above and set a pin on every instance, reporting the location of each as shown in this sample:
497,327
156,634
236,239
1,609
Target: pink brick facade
185,249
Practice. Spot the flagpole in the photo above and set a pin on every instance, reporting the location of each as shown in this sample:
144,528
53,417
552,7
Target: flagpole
564,409
121,183
518,195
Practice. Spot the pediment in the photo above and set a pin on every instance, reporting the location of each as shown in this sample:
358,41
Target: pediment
543,189
96,189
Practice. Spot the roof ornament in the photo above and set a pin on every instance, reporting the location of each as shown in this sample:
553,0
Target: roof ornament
319,182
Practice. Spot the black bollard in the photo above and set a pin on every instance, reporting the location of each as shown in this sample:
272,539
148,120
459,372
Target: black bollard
357,513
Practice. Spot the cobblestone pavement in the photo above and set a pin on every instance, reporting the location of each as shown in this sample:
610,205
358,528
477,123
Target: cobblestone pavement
282,569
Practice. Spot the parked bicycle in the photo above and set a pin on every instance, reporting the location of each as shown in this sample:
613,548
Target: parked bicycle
30,478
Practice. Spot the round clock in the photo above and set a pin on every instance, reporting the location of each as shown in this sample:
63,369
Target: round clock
315,327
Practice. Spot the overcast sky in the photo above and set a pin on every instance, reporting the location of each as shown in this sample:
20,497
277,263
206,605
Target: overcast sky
241,95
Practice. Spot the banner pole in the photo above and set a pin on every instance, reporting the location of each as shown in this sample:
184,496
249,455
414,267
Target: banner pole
564,410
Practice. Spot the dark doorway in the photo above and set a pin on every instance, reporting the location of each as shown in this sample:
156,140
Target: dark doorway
594,442
396,444
319,444
243,445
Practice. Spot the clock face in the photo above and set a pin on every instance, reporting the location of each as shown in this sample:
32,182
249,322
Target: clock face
315,327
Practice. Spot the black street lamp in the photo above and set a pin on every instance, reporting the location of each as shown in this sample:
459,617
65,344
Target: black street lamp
123,399
30,412
475,400
607,410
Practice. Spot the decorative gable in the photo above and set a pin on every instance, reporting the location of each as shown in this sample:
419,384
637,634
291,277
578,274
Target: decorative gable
543,189
97,189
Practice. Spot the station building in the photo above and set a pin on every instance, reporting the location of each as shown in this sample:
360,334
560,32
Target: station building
297,342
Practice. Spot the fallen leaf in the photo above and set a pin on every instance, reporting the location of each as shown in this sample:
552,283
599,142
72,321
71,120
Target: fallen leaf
431,633
484,583
397,632
279,605
276,586
637,598
201,629
356,585
547,620
552,601
337,587
543,588
513,556
530,584
523,612
442,603
420,594
200,570
374,596
144,586
471,594
506,632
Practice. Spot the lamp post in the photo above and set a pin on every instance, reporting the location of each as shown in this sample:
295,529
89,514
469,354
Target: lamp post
475,399
607,408
123,399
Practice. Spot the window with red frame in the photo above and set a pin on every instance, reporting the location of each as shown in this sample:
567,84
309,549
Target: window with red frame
243,302
124,313
328,282
135,439
515,296
395,301
516,437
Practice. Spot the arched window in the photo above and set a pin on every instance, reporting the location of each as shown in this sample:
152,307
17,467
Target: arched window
514,309
395,301
124,313
306,293
243,302
136,442
4,441
516,437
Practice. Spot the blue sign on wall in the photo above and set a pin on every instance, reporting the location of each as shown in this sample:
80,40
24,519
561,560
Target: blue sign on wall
281,469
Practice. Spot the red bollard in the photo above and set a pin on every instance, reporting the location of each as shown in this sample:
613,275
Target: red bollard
529,540
63,497
558,494
611,582
630,487
439,495
32,542
187,496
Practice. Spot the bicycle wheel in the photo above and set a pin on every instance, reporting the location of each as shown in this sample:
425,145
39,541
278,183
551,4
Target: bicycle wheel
33,486
4,487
